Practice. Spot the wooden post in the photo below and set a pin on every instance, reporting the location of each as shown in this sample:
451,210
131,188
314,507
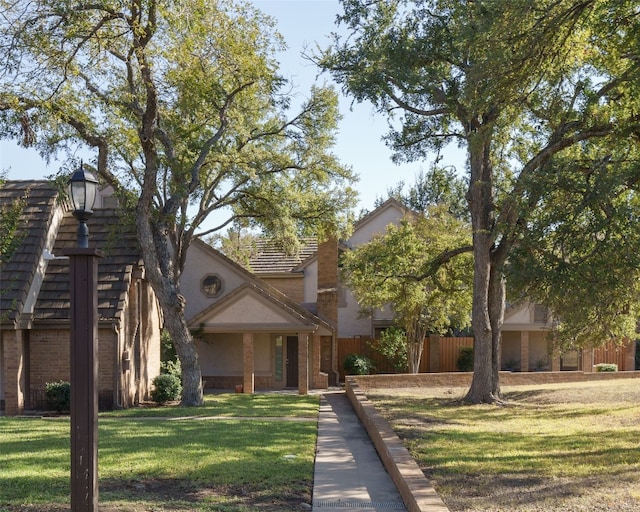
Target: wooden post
83,312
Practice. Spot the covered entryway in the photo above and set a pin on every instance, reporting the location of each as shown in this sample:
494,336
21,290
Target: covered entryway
255,338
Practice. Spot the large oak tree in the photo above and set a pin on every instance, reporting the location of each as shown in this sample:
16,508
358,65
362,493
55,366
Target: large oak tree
183,106
536,93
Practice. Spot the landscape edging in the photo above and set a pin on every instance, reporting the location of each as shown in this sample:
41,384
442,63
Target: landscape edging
418,494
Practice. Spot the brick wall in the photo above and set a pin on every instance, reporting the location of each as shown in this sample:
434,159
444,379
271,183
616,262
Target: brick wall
50,357
292,287
460,379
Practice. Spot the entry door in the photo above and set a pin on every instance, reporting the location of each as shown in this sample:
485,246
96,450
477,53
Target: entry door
292,361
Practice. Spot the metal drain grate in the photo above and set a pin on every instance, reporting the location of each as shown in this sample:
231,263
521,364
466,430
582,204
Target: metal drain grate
318,505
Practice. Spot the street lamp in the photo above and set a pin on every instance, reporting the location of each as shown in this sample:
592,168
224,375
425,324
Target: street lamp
83,316
82,188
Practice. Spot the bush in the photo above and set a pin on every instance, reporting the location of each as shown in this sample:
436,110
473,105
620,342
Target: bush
356,364
166,388
392,345
606,367
59,396
465,359
172,367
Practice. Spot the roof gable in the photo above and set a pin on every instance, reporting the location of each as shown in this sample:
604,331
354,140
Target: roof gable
122,257
376,222
18,273
257,307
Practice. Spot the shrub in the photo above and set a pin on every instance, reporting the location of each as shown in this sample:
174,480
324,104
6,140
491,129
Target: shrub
392,345
356,364
606,367
465,359
59,396
166,388
172,367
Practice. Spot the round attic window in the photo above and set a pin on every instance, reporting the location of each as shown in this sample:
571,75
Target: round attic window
212,285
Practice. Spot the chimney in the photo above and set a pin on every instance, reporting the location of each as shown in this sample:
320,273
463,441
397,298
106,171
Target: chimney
328,281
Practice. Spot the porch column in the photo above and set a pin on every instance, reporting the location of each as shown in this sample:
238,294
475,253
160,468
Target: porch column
316,346
14,369
303,363
248,377
587,360
524,351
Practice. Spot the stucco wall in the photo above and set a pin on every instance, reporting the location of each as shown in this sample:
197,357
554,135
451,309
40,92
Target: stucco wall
221,354
200,263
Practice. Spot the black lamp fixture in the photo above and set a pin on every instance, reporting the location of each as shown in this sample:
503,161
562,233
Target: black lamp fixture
82,188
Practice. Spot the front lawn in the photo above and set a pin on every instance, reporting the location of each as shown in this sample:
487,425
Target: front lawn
236,453
553,448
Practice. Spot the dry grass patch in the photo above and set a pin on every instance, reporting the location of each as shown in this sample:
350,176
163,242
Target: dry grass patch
562,447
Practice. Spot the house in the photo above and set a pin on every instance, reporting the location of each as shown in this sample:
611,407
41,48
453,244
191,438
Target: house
250,335
34,304
278,325
526,345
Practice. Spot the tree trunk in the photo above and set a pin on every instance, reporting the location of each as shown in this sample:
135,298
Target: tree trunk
188,355
496,317
154,242
415,354
481,207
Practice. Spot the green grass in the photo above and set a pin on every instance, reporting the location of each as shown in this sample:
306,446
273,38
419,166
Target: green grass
232,405
570,447
184,459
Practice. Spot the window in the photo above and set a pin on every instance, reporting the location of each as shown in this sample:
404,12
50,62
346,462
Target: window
212,285
540,313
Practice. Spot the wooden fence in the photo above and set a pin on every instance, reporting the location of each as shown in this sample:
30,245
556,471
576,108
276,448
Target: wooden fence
449,349
610,353
443,357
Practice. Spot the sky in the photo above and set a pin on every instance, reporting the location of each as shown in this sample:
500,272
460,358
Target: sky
302,23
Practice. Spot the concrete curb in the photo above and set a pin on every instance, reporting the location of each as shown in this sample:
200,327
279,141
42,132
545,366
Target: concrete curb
415,489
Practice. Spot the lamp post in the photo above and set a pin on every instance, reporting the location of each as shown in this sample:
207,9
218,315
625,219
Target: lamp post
83,315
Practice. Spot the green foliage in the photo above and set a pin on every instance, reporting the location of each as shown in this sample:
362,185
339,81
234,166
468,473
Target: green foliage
357,364
59,395
392,344
606,367
465,359
188,115
166,388
237,244
167,349
10,236
437,186
422,268
171,367
545,107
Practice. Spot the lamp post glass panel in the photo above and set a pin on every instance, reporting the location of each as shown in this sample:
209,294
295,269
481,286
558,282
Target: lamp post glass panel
82,191
83,317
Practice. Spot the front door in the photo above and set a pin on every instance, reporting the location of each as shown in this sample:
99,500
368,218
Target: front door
292,361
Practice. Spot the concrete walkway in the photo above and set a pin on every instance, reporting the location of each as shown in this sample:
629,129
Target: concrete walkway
349,475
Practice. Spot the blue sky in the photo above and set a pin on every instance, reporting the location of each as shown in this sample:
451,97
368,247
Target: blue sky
303,23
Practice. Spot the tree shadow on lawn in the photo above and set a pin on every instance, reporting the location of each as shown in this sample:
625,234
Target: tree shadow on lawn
528,492
176,494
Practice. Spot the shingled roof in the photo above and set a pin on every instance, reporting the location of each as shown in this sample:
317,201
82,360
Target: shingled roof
17,273
268,258
122,258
